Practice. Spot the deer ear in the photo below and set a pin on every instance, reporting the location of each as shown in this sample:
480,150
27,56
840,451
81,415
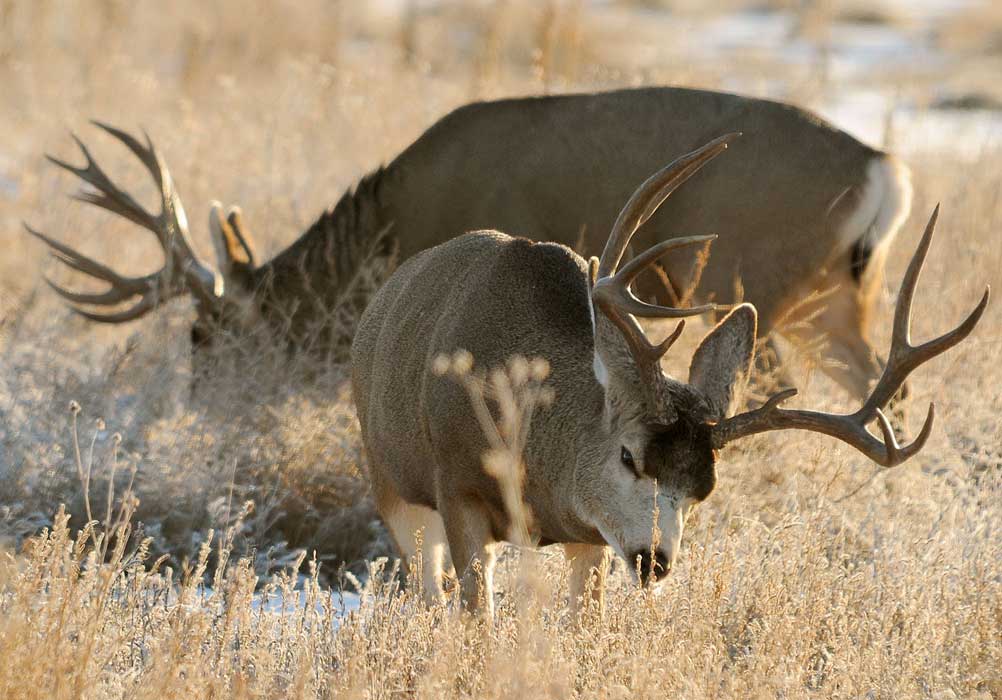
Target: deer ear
230,238
723,359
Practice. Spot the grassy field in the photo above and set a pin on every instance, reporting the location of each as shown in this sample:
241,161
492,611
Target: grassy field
223,525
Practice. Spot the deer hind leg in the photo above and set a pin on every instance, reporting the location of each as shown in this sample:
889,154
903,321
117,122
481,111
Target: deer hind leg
408,523
472,545
589,564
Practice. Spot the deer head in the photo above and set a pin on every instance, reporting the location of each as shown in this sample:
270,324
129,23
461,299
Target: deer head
220,294
658,455
665,433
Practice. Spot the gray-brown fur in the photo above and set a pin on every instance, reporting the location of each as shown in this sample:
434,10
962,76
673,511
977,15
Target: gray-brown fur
551,168
494,296
547,167
497,297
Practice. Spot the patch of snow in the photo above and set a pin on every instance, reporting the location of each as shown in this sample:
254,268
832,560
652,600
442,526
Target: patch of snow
746,30
8,187
863,113
341,602
273,602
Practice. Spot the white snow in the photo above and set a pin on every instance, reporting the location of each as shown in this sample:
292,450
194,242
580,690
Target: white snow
341,602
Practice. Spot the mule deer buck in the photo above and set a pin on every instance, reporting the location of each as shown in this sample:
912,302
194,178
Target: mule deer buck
620,435
805,207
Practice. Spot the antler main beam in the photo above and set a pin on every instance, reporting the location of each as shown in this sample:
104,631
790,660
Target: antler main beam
903,358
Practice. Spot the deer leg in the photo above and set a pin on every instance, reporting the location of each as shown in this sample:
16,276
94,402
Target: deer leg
408,523
472,544
589,566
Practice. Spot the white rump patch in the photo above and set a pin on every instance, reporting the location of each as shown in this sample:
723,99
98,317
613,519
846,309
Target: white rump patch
885,203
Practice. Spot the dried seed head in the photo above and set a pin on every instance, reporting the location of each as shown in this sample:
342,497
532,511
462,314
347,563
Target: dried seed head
539,369
546,396
499,380
462,362
518,370
74,407
440,365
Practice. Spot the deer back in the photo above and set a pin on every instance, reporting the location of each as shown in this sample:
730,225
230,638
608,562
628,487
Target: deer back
568,163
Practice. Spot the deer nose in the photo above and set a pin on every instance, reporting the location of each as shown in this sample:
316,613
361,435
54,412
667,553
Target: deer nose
651,569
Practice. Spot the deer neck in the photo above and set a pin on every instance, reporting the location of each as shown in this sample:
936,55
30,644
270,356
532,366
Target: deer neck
335,265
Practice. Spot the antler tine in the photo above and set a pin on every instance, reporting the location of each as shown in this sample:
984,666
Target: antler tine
646,356
147,154
143,306
172,214
644,352
896,454
106,195
613,296
183,269
611,289
615,289
650,195
79,262
120,288
902,359
113,296
886,452
171,226
901,330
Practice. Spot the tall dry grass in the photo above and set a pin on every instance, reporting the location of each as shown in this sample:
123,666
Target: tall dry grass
808,572
800,600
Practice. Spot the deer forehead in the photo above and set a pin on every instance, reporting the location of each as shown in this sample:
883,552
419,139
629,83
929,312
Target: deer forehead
680,456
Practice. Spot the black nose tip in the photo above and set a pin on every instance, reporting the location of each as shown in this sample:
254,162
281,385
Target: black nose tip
649,572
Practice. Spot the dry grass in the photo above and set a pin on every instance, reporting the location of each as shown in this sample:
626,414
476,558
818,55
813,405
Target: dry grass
806,574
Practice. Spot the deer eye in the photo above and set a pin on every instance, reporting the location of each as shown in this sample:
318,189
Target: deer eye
626,457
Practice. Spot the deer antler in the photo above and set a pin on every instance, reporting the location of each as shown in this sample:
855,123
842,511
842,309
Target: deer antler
611,292
902,360
183,270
